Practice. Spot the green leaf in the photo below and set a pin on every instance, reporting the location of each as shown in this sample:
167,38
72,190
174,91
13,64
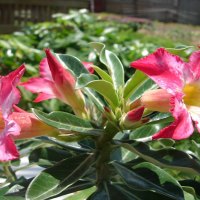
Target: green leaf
72,63
11,198
50,154
122,155
106,90
138,182
79,195
93,96
84,79
100,194
161,118
67,122
132,194
99,47
116,69
113,64
134,82
146,85
59,177
107,192
192,184
69,146
164,177
189,193
169,158
127,192
146,130
102,74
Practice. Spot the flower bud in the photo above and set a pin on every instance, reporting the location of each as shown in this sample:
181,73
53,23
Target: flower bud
133,117
156,100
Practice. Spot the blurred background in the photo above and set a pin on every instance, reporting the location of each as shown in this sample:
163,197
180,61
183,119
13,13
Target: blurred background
16,13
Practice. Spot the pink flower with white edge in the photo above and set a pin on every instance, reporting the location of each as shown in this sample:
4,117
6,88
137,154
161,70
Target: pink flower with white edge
9,96
56,82
180,91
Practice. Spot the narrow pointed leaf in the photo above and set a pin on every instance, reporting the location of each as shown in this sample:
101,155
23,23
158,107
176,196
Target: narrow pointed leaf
169,158
67,122
113,64
138,182
98,46
146,130
79,195
146,85
133,83
163,176
106,90
103,74
132,194
59,177
116,69
93,96
84,79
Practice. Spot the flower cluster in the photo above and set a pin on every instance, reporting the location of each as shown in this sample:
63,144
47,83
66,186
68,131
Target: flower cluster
179,94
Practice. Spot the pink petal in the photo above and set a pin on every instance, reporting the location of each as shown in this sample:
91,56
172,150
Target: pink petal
88,66
17,109
181,128
9,94
44,69
135,115
40,85
194,65
60,75
164,68
8,150
43,97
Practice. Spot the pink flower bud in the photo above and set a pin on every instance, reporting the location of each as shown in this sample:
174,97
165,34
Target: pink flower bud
156,100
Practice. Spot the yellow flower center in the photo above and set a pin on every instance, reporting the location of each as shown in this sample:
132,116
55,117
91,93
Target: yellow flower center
192,94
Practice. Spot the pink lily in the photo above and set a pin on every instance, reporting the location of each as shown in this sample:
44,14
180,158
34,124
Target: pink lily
56,82
9,96
180,91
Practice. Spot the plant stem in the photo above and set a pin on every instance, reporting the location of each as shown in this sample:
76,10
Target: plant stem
9,172
104,148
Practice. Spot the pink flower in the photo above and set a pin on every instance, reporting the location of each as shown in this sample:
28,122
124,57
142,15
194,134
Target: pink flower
179,93
9,96
56,82
30,126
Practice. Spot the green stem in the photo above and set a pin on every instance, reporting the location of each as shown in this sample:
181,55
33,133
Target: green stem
9,172
104,148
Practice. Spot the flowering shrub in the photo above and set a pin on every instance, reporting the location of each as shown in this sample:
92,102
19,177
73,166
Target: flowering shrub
111,143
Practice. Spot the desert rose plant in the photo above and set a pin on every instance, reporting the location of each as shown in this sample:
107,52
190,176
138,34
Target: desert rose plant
123,139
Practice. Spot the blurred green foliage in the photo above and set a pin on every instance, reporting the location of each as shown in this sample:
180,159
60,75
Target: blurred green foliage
70,34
